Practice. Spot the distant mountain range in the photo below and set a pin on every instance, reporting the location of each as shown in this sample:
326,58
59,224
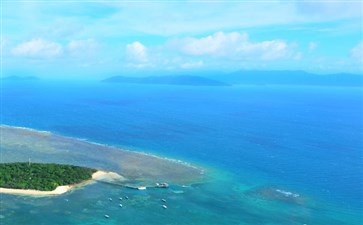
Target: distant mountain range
242,77
248,77
168,80
20,78
285,77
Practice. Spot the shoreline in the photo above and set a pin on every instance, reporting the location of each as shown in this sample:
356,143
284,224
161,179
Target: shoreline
98,175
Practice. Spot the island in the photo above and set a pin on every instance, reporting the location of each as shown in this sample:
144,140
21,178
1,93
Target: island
45,178
289,77
186,80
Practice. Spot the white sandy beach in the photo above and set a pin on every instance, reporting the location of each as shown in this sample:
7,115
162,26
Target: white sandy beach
99,175
102,175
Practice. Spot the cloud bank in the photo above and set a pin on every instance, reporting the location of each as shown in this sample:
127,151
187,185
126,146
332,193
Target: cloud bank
38,48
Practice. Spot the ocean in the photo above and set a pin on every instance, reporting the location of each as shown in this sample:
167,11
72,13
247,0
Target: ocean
274,154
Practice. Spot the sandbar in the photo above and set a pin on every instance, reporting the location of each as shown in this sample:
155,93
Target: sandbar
99,175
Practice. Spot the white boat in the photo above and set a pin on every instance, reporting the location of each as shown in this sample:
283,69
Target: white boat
164,206
161,185
107,216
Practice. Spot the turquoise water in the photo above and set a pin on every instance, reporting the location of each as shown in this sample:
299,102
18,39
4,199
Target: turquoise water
254,140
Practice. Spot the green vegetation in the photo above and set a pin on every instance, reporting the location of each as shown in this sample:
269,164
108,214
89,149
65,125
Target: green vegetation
42,177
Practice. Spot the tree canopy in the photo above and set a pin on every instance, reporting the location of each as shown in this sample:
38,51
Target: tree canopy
43,177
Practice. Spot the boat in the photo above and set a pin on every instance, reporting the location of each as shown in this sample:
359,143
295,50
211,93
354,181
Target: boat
161,185
164,206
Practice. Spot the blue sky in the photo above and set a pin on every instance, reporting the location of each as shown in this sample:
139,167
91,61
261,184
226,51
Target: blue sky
96,39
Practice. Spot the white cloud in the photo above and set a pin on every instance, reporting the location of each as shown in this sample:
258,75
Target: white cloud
233,45
192,65
357,52
136,52
216,44
312,46
38,48
266,50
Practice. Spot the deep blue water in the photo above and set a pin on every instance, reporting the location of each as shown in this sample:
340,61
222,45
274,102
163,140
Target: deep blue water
309,139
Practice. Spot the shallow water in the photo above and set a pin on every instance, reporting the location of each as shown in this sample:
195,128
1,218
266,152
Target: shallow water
256,143
21,145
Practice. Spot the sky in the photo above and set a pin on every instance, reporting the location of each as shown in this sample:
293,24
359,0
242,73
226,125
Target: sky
95,39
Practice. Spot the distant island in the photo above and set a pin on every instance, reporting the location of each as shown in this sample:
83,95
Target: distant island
167,80
248,77
20,78
288,77
44,179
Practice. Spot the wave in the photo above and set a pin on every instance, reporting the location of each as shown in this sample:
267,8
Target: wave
287,193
